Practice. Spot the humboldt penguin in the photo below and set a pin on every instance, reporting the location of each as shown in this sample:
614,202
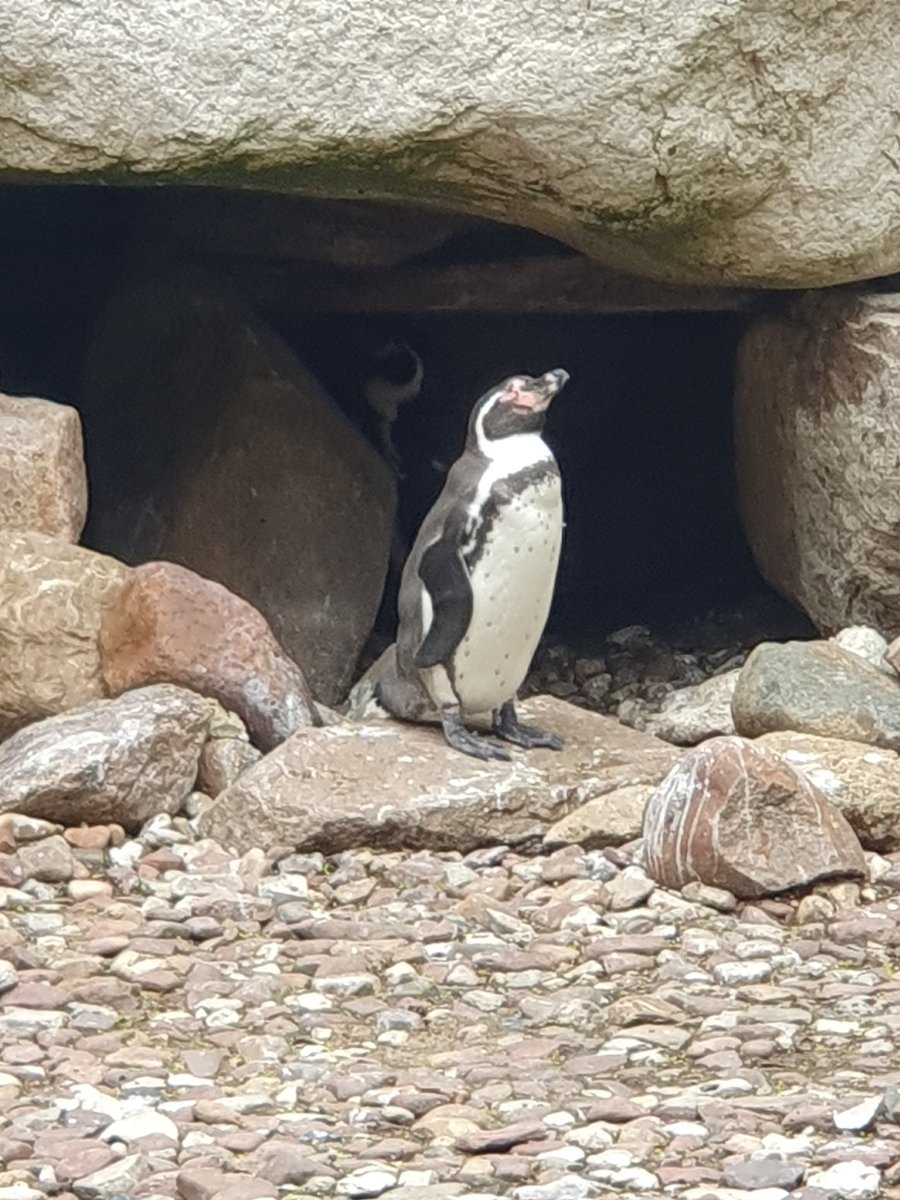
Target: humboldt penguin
394,378
477,586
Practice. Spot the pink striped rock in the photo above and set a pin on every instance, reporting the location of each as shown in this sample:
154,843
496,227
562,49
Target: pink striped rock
735,815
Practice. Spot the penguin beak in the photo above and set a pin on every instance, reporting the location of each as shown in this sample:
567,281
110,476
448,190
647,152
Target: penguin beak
537,394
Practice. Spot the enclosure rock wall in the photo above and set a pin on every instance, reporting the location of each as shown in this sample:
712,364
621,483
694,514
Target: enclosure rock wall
725,141
817,438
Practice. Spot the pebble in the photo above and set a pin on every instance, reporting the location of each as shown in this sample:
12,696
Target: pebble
753,1174
9,976
366,1183
860,1117
849,1180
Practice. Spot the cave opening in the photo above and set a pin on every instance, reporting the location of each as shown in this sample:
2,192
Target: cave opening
643,431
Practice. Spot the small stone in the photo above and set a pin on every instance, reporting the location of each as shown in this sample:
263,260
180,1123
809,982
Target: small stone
693,714
49,861
121,1177
710,897
88,837
484,1140
629,889
592,1137
866,643
754,1173
284,1163
813,909
566,1187
146,1123
366,1182
860,1117
610,820
850,1180
737,974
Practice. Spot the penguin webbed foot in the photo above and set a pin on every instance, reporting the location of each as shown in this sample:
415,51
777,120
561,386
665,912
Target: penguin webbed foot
466,742
529,737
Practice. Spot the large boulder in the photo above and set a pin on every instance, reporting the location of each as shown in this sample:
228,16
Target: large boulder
52,596
43,485
247,472
817,443
121,761
169,625
735,815
726,141
400,786
817,688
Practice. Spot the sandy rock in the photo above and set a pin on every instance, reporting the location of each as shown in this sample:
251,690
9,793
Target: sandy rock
51,598
818,688
49,861
862,781
817,437
169,625
735,815
388,784
692,714
610,820
865,642
118,761
729,142
264,486
43,485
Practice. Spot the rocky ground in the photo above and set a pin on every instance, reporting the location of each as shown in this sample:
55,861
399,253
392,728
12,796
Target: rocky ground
178,1022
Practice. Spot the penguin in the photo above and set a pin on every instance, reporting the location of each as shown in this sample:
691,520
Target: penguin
476,588
395,376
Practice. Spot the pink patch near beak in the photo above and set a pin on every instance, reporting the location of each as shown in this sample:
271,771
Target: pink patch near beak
531,401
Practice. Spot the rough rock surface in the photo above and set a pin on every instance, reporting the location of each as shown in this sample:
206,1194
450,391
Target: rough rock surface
692,714
867,643
177,1021
818,688
169,625
392,785
43,485
251,475
892,655
817,438
735,815
51,598
120,761
609,820
733,141
862,781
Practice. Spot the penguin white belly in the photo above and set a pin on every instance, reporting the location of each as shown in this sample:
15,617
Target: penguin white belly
512,582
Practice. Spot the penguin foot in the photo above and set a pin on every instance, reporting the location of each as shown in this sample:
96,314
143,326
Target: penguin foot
508,727
467,742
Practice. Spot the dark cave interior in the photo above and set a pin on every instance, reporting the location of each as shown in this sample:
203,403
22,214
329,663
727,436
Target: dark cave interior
643,430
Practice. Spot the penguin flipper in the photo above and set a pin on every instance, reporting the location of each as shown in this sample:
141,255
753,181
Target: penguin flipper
444,575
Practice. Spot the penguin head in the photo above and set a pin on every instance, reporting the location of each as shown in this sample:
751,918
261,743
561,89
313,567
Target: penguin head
517,405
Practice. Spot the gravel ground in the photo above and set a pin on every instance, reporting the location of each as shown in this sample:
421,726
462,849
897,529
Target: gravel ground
176,1023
